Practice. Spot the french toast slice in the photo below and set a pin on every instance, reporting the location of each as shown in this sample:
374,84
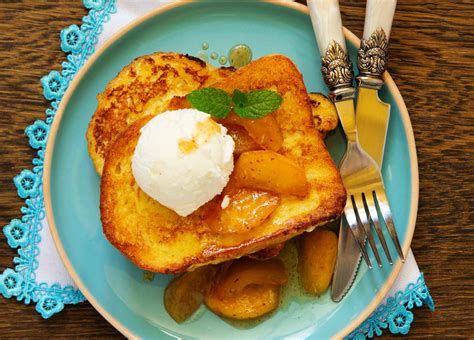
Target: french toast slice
157,239
144,87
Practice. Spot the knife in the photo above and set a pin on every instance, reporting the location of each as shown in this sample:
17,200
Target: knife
338,75
372,115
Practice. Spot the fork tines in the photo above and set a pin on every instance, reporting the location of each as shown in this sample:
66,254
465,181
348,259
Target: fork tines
362,212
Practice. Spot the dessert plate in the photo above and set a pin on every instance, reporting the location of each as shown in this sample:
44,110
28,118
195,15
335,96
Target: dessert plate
112,284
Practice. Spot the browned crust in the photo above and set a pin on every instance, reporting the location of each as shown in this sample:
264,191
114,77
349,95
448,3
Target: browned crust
330,208
197,60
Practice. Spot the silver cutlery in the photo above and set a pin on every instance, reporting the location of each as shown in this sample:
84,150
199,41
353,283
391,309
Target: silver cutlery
360,173
372,118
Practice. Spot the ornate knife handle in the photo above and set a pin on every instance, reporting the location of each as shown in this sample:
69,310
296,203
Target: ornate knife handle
336,66
373,52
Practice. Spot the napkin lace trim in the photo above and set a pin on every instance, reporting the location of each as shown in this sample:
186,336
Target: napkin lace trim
24,234
395,313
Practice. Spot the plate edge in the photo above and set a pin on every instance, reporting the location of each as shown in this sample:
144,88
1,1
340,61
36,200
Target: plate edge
54,128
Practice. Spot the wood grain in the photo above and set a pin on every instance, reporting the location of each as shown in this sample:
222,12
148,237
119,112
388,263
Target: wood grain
432,48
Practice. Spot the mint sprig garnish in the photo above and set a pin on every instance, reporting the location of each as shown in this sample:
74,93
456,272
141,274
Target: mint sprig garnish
252,105
214,101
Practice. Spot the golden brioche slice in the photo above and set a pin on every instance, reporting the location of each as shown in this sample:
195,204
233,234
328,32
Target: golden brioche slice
144,87
157,239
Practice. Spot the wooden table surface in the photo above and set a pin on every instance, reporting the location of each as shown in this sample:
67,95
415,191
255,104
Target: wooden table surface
432,62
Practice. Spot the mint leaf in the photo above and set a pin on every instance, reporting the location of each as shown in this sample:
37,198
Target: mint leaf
258,104
253,105
214,101
239,98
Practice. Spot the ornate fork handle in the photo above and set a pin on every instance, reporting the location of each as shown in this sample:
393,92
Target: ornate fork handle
338,73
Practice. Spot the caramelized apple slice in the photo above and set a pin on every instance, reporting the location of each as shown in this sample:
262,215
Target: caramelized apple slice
231,118
317,254
264,131
185,293
270,171
245,272
241,210
253,302
242,139
248,289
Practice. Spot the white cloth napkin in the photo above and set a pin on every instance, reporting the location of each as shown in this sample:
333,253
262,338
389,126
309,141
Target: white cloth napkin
51,269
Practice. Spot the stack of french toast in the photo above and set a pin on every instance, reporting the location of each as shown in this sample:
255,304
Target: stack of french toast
255,226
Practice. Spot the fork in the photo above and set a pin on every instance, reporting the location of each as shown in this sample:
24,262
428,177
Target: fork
365,199
361,175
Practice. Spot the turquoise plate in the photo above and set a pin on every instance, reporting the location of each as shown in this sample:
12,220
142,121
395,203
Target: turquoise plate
113,284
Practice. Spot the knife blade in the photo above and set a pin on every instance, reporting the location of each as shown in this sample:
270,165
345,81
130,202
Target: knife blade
348,262
372,118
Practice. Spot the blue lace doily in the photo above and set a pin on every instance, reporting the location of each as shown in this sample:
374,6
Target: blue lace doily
24,234
395,314
79,43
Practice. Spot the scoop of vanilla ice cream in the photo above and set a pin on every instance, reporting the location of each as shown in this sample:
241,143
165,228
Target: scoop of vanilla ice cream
183,159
